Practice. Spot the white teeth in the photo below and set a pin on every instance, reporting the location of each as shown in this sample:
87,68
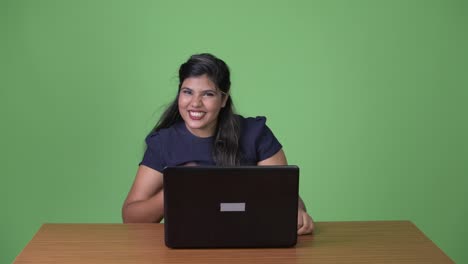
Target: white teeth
196,114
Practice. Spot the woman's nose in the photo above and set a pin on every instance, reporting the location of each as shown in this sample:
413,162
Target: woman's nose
196,101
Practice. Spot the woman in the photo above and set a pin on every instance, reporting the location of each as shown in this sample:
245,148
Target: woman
200,128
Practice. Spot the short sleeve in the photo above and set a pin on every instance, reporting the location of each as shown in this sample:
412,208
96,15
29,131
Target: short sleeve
267,144
153,154
258,141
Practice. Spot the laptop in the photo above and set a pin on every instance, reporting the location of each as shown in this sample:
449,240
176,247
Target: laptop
230,207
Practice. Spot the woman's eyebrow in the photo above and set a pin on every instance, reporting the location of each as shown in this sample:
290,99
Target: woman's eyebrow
203,91
209,90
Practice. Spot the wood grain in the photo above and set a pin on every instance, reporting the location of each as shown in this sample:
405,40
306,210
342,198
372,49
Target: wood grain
333,242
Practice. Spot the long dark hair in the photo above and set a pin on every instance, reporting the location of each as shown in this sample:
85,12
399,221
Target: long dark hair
226,143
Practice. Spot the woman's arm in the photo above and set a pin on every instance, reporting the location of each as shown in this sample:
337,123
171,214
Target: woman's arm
305,224
145,201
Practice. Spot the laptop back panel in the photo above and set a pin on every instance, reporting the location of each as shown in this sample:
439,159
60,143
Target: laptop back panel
210,207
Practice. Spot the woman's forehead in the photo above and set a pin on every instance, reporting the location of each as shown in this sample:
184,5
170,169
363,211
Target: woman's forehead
198,83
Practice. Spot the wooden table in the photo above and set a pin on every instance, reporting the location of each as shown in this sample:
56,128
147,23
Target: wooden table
333,242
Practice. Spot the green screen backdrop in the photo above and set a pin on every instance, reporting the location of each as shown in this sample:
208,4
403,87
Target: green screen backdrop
369,98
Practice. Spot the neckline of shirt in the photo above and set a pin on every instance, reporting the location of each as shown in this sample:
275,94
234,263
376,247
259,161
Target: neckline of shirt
181,127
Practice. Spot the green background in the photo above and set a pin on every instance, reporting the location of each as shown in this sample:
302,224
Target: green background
369,98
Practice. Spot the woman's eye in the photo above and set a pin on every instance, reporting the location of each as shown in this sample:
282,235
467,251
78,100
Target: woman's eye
209,94
187,92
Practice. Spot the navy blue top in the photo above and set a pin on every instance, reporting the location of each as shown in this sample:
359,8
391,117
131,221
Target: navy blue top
176,145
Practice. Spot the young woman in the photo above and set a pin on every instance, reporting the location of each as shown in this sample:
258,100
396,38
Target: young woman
201,128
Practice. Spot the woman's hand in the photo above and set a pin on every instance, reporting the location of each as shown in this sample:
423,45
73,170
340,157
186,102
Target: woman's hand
305,224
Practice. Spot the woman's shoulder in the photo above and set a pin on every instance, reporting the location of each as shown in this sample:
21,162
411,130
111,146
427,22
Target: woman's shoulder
252,122
252,126
257,141
163,133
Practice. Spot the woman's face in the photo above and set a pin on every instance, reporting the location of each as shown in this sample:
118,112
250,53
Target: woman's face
199,105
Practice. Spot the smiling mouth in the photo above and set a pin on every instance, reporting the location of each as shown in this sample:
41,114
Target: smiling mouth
195,115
